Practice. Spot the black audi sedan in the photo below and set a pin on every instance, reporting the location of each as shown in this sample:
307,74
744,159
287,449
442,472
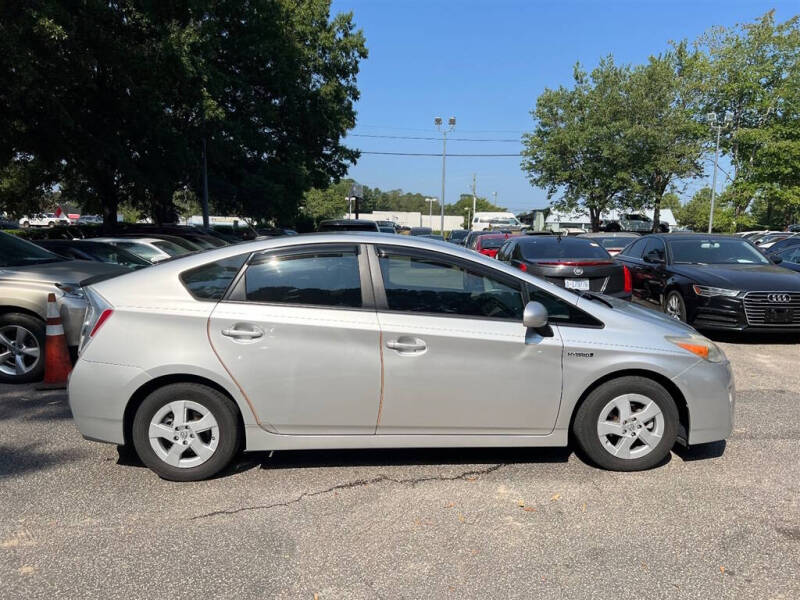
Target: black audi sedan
713,282
578,264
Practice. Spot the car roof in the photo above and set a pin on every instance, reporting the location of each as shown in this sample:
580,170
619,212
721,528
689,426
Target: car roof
629,234
346,222
690,235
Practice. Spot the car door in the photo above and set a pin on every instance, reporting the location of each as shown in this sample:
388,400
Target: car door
299,334
654,270
457,359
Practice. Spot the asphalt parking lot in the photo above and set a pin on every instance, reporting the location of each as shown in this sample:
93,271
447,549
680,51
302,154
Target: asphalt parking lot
78,521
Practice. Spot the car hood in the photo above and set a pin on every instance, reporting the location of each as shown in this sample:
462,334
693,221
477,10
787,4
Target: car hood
63,271
742,277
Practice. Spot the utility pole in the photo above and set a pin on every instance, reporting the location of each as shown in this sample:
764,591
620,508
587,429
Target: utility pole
474,199
494,198
712,119
204,204
430,202
451,125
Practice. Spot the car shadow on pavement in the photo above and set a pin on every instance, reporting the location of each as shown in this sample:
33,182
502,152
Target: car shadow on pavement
30,405
18,460
298,459
700,451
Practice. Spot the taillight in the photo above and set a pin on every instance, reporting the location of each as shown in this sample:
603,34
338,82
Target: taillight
103,318
628,280
523,267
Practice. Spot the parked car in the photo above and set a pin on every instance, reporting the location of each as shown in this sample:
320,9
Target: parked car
43,220
636,222
183,242
274,231
766,242
713,282
781,245
28,274
484,220
458,236
6,223
613,242
488,245
94,251
789,257
151,249
471,241
387,226
348,225
573,263
420,231
234,370
90,220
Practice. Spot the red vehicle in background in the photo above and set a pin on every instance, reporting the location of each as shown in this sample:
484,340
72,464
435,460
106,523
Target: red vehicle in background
490,243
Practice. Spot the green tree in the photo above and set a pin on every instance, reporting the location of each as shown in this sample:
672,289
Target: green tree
577,148
694,214
664,141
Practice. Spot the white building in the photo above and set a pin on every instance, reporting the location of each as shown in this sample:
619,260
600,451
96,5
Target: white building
557,221
412,219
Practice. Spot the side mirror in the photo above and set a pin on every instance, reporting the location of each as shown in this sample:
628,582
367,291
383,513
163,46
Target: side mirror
535,315
776,259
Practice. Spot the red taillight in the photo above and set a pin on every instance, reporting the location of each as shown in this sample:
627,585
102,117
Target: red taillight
523,267
628,281
102,319
489,253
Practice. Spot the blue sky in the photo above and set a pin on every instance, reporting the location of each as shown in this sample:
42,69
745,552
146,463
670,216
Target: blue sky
485,62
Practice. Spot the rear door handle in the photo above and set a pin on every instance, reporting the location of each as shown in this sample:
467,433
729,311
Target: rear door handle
245,334
407,345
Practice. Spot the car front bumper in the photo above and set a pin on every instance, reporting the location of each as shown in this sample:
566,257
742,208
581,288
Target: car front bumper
728,314
710,394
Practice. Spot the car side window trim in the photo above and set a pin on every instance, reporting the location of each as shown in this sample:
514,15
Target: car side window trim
237,292
382,303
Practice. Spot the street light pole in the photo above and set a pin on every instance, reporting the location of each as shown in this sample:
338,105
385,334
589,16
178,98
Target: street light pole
712,118
451,125
430,202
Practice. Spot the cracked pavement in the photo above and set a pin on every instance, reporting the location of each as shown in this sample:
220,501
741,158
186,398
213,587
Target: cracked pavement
78,520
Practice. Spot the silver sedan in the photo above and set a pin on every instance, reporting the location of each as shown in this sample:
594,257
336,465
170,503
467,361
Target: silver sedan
367,341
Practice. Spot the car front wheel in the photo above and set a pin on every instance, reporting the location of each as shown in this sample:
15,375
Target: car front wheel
674,306
186,431
21,348
627,424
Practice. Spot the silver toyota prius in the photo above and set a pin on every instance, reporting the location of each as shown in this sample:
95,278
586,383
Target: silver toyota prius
359,340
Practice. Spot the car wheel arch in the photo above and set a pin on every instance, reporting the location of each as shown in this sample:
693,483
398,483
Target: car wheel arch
152,385
5,309
665,382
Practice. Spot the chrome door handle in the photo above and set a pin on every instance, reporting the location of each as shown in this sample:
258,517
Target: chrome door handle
248,334
407,345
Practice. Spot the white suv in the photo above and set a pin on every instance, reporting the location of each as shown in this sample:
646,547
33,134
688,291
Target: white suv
44,220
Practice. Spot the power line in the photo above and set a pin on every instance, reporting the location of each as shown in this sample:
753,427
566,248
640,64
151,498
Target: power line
418,137
364,126
439,154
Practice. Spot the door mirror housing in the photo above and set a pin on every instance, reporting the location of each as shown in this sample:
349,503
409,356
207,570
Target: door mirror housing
776,259
535,315
653,259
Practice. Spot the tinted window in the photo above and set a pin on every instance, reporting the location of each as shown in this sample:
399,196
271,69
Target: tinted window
560,311
491,243
791,254
612,242
323,278
431,285
635,250
715,251
15,252
561,247
503,253
140,250
209,282
654,250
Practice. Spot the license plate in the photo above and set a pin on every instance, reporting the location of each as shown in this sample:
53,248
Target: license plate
577,284
778,315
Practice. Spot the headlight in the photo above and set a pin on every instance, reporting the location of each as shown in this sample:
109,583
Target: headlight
699,346
71,290
706,290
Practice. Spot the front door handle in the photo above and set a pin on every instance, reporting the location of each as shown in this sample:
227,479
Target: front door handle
407,345
243,334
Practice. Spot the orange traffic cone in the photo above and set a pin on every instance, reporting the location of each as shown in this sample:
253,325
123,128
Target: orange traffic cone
57,363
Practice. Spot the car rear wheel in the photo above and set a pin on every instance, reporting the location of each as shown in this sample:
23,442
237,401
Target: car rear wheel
627,424
21,348
186,431
674,306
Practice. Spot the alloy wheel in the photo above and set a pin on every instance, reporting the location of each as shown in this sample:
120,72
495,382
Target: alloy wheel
674,308
19,350
184,434
630,426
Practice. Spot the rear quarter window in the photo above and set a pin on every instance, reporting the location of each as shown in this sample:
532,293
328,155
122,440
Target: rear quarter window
210,282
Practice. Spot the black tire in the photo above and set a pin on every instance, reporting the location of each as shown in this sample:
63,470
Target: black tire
220,406
37,328
24,224
584,427
677,297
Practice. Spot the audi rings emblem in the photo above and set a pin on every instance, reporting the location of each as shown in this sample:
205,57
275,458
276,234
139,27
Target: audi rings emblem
579,271
783,298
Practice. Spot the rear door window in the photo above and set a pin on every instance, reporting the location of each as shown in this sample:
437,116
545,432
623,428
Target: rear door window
635,250
211,281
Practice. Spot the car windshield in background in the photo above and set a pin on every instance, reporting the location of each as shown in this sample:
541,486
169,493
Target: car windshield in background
112,254
15,252
554,247
715,252
140,250
170,248
613,242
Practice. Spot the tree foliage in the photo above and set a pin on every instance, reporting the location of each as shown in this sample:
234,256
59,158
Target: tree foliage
113,101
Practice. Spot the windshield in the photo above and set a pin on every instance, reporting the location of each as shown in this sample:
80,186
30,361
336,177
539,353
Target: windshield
15,252
613,242
715,252
491,243
141,250
112,254
170,248
549,247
